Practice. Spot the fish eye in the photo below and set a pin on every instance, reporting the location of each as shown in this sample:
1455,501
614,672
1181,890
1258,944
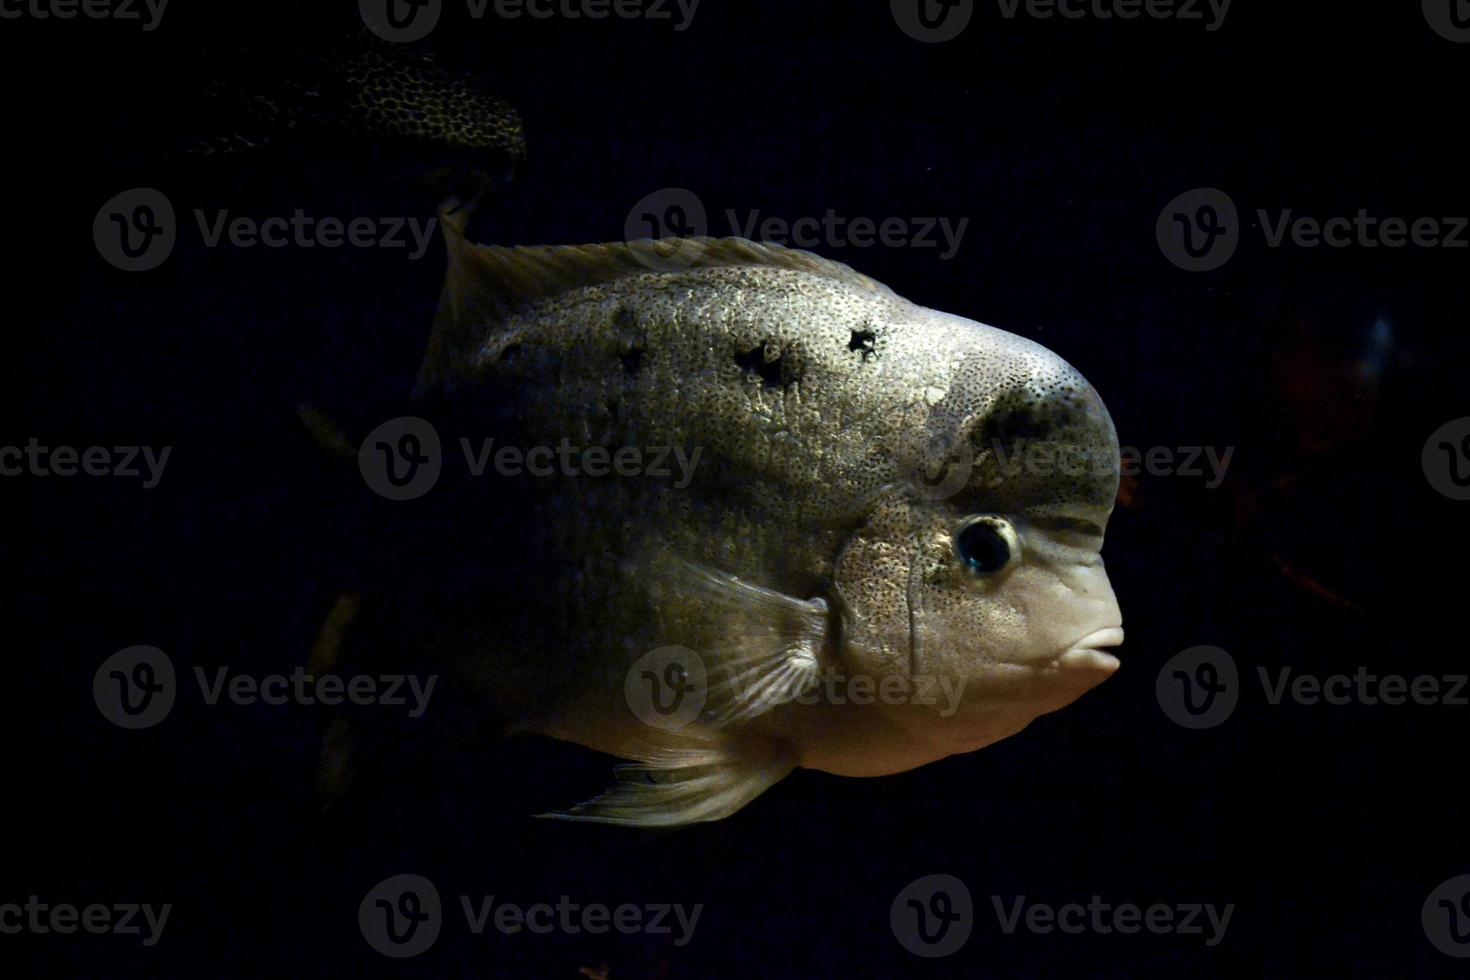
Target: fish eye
987,544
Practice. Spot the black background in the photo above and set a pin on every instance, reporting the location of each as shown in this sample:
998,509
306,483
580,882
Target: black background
1325,549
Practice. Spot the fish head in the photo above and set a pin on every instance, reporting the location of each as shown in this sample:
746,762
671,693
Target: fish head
980,578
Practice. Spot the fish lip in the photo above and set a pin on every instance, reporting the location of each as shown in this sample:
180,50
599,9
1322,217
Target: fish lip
1111,636
1090,650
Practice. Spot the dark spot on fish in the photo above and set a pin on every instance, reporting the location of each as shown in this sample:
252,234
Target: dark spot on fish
1021,422
510,354
754,360
864,341
632,360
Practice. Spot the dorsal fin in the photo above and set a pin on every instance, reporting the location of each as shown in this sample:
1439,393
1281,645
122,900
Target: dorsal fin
486,284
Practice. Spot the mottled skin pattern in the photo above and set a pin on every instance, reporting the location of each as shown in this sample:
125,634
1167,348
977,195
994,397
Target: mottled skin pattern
815,397
356,90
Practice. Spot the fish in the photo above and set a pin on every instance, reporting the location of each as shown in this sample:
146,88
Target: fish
335,97
406,113
887,550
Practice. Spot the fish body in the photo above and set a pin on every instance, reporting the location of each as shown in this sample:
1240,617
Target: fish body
866,563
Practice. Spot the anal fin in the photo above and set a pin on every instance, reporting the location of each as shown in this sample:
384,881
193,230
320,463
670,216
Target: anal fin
680,786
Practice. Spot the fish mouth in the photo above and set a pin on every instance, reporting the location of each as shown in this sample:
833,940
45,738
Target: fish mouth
1090,651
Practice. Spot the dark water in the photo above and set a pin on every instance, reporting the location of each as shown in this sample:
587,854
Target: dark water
1325,548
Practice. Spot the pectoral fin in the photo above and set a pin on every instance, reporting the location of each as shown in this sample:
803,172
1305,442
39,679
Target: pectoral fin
762,648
